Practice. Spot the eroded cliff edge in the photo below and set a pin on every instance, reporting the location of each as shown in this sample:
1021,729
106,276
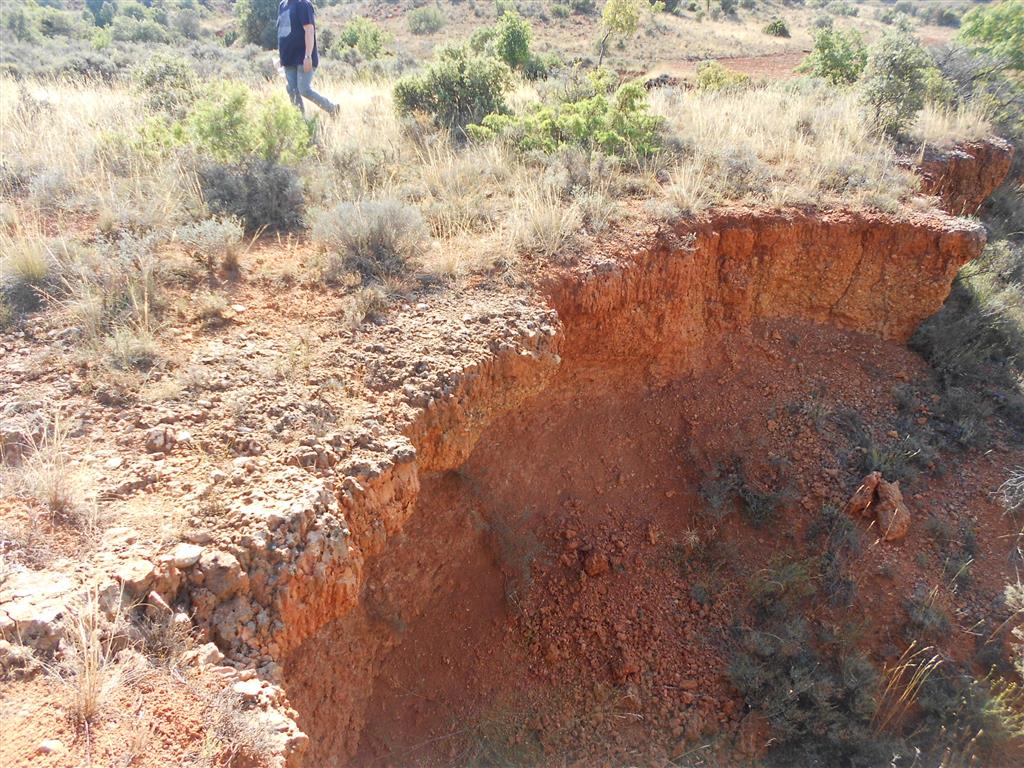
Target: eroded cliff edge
654,301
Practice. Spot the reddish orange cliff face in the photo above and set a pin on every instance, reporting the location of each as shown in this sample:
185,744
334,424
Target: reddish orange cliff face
964,177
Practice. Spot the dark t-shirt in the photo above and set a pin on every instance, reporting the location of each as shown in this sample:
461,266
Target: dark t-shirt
292,16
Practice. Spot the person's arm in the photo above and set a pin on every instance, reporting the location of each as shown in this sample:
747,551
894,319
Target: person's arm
307,63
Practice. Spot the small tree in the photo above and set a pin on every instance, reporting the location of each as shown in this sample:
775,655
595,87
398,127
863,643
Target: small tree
257,21
512,39
838,57
777,28
894,81
102,11
622,18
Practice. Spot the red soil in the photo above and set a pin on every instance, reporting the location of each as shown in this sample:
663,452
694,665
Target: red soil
494,642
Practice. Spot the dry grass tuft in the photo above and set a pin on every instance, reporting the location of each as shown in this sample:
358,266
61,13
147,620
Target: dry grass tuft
235,732
903,681
88,669
1011,493
45,473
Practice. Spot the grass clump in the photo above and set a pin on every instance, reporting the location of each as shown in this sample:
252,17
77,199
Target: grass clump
213,242
27,270
380,239
88,667
44,473
730,486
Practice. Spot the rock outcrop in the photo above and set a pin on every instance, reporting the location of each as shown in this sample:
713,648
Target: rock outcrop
876,498
963,177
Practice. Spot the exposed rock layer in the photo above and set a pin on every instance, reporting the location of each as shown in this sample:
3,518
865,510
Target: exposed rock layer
658,312
964,177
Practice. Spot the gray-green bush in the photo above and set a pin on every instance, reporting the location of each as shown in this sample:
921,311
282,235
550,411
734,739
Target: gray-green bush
379,239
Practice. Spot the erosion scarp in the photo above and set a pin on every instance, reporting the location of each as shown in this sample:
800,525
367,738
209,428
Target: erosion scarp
637,330
508,548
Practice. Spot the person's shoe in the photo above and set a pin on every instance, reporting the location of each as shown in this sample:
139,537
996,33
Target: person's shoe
334,110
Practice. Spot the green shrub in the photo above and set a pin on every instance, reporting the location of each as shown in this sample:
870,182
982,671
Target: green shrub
560,11
997,29
364,36
458,88
509,41
814,689
776,28
168,85
186,23
619,125
56,23
131,30
838,57
894,81
942,17
21,24
257,192
377,238
132,9
583,7
257,21
425,21
712,76
229,125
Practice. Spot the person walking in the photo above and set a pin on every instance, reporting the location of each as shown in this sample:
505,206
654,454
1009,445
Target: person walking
296,44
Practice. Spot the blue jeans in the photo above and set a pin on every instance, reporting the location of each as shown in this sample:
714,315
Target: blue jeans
300,84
